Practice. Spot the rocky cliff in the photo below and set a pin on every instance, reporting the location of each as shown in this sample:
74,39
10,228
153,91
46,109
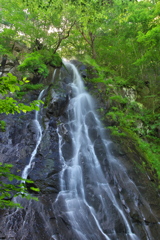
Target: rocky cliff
37,220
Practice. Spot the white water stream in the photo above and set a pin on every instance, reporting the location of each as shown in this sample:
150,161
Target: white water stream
38,131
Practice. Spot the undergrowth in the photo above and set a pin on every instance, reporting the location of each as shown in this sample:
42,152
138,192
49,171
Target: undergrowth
28,87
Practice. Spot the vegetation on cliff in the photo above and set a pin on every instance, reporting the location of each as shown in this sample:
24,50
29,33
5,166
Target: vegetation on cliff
9,105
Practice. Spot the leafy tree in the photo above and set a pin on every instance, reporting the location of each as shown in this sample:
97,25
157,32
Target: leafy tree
30,21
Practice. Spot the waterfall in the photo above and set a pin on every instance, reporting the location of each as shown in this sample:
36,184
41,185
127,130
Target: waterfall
38,131
87,189
94,204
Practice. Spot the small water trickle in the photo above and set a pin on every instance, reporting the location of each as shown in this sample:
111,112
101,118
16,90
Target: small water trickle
38,131
54,74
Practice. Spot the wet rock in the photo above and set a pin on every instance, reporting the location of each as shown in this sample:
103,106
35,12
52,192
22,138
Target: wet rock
100,149
2,236
93,133
67,80
90,119
57,106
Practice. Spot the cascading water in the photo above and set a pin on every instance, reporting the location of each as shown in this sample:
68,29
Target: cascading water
94,204
38,130
85,192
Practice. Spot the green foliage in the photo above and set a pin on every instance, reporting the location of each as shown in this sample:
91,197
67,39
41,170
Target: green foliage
3,50
116,131
140,123
48,22
152,152
51,58
29,86
37,62
10,190
34,63
8,85
119,99
20,94
130,61
2,126
9,106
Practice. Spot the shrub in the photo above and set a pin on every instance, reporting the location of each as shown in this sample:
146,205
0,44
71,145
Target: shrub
34,63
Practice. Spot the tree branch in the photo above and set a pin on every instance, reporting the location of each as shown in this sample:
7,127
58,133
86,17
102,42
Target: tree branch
61,37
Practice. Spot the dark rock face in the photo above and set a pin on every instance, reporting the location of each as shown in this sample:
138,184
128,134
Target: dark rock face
57,106
37,220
